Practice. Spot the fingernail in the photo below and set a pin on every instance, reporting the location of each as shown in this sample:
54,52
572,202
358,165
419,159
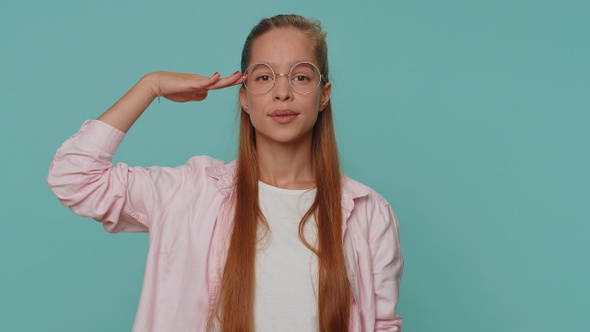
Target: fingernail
216,73
237,72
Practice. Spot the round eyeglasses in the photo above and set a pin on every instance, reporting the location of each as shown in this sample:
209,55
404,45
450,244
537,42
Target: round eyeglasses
304,77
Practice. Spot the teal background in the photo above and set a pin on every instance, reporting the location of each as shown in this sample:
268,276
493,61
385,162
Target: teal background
470,117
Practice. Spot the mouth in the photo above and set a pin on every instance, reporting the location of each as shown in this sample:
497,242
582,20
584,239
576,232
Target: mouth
282,113
283,116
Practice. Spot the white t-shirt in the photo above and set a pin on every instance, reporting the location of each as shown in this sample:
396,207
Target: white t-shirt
286,270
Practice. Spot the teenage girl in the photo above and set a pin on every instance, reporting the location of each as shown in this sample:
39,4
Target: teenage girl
277,240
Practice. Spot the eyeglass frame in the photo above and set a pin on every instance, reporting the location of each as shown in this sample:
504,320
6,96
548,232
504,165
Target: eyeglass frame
274,82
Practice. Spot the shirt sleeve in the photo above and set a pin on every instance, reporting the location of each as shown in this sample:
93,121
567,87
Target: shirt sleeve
387,269
123,198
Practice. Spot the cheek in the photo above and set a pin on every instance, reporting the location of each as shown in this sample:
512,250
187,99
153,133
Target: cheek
253,102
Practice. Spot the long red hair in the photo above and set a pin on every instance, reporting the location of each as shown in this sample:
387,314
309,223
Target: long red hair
236,301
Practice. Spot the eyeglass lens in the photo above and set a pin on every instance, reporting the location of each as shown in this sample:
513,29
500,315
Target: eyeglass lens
304,78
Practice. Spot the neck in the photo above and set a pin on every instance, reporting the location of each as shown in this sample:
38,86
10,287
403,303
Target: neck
285,165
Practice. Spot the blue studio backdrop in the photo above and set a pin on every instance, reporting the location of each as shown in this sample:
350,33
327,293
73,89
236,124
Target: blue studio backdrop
470,117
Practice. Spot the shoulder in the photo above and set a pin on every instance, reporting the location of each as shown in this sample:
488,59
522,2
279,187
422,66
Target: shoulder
366,206
206,166
192,167
203,162
361,193
196,169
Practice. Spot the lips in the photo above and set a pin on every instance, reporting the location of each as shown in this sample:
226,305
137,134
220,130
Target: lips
283,116
282,113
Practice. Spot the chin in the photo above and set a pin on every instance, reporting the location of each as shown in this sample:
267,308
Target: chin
283,137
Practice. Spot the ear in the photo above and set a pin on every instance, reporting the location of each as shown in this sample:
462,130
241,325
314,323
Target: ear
243,99
325,97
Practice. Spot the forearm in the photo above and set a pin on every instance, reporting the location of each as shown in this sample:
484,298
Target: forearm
123,114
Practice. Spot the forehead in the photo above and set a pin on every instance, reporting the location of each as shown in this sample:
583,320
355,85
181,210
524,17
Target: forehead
282,47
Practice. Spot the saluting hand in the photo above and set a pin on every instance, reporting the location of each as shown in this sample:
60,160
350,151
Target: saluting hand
182,87
177,87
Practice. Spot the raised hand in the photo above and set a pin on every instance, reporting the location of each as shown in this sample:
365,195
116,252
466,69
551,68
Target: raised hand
174,86
182,87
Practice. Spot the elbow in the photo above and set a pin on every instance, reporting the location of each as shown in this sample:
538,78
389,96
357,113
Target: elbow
62,186
56,185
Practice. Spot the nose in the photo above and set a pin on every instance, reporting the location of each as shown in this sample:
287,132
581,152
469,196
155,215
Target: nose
282,90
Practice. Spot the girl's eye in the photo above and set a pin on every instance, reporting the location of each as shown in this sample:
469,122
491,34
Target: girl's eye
264,78
301,78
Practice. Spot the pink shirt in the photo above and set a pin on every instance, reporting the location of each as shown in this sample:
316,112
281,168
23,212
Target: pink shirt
187,212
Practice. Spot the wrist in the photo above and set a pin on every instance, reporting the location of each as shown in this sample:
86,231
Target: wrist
149,84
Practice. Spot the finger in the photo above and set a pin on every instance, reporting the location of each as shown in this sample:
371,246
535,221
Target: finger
197,83
215,76
215,82
212,82
234,79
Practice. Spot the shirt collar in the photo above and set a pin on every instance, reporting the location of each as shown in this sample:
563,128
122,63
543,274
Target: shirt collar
352,190
225,175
